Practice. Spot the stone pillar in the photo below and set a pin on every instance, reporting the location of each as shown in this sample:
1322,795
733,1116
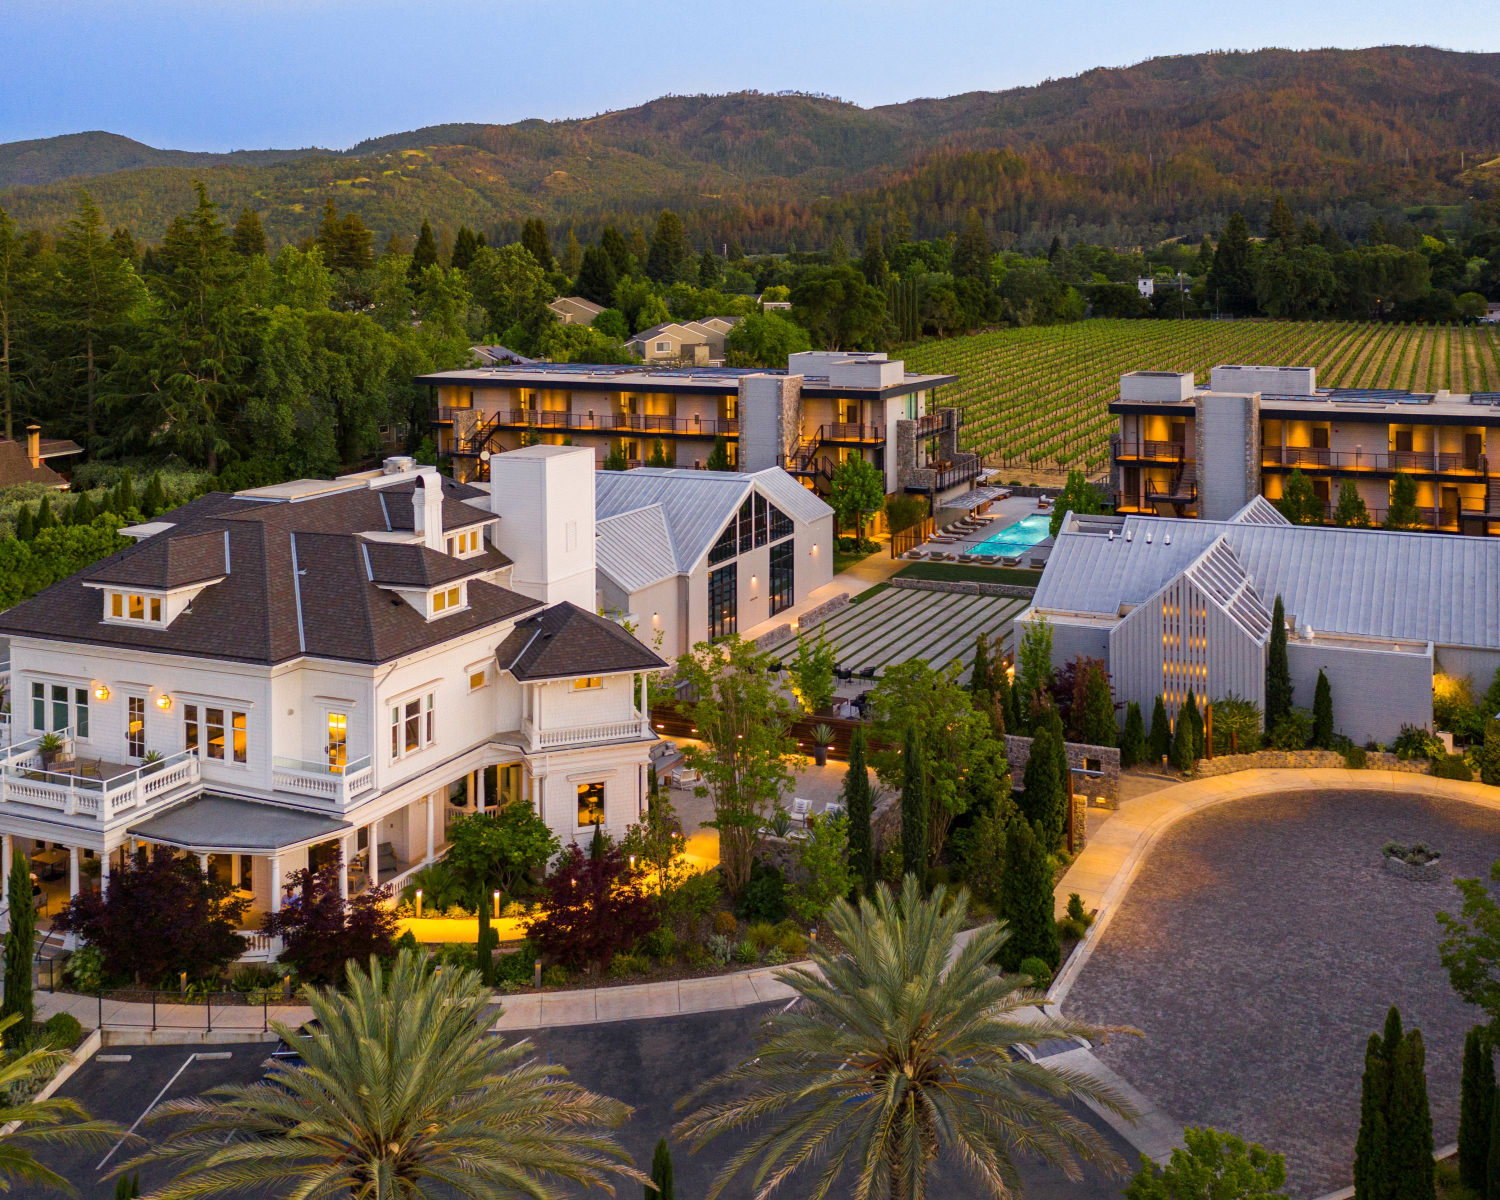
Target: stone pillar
275,864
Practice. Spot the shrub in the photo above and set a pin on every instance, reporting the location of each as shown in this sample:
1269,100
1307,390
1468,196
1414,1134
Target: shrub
1292,731
85,969
776,956
1451,766
661,942
1068,927
593,909
1417,854
694,896
628,964
720,948
458,956
824,859
1356,758
1237,722
1416,742
517,967
555,976
745,952
725,924
62,1031
255,977
764,895
321,930
1076,911
1213,1164
792,940
1040,972
762,935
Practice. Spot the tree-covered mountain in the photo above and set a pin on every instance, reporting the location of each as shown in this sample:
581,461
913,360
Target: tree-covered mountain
47,160
1167,147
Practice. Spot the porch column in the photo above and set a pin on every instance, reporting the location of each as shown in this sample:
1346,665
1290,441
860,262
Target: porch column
372,853
344,852
645,704
469,789
431,826
275,862
73,853
203,863
104,871
479,788
5,853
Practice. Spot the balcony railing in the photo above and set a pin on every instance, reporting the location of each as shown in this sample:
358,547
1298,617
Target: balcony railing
1152,451
25,780
312,778
583,735
601,422
937,479
1437,462
841,431
933,423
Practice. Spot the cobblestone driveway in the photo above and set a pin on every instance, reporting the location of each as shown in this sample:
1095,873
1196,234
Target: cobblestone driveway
1260,946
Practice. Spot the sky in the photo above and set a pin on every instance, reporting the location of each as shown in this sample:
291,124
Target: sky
256,74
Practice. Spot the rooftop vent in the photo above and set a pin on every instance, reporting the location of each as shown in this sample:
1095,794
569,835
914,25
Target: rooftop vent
399,464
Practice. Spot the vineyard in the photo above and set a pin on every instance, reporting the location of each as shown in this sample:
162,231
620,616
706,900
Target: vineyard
1039,397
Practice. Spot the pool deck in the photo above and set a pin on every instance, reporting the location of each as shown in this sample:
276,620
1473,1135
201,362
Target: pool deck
1008,513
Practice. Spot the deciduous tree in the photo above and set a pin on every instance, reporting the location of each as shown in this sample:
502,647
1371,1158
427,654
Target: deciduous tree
593,909
322,931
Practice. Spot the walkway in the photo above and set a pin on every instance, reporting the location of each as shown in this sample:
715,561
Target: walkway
863,575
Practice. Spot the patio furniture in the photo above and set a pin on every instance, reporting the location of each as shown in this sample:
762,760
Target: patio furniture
386,857
50,864
801,809
1011,560
965,558
833,809
987,560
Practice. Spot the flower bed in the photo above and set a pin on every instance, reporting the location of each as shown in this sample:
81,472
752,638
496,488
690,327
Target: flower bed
1418,862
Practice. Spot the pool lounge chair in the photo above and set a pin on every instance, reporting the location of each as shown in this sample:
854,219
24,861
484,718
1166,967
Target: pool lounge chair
1011,560
965,558
916,554
987,560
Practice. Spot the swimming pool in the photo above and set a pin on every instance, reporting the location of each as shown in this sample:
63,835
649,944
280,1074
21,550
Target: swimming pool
1013,539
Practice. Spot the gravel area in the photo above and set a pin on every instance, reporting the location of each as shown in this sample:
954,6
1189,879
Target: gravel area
1259,948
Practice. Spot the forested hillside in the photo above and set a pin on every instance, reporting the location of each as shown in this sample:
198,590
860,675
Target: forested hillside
1168,147
46,160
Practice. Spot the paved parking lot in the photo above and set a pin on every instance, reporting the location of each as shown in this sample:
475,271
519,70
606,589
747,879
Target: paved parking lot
647,1064
1261,945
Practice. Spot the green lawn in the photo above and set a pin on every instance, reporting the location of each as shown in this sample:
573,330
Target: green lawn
970,573
844,559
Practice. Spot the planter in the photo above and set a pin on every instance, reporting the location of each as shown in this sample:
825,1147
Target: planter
1427,872
820,755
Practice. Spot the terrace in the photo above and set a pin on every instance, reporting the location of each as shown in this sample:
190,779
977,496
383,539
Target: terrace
91,789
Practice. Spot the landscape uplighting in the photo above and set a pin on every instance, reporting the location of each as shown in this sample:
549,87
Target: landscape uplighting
419,902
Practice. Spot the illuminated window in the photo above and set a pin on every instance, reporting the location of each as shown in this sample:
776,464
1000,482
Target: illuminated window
590,804
413,725
446,600
116,604
476,680
137,608
155,608
588,681
338,741
123,606
135,727
241,737
215,722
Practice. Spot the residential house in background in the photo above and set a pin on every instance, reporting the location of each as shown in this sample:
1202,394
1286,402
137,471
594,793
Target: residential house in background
826,407
698,342
1186,450
28,461
575,310
327,667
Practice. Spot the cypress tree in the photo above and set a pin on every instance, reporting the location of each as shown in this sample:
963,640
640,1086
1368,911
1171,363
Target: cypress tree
1015,719
534,238
1184,743
25,526
424,254
913,808
1322,730
84,511
1096,724
20,945
465,247
249,237
1041,788
154,498
1057,823
1492,1165
1133,743
125,493
718,457
979,676
1371,1147
1476,1105
597,276
1410,1123
1278,676
661,1186
1160,743
1026,902
1194,721
857,804
44,516
1000,689
669,256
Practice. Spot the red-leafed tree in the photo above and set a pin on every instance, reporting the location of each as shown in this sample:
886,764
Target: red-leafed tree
160,915
321,931
595,908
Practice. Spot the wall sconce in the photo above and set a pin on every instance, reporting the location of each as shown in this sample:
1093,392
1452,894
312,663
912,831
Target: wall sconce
164,702
101,692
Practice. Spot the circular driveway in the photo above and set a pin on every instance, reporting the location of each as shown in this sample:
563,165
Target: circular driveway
1260,946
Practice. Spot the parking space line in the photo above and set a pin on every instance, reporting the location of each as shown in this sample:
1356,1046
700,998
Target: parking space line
187,1062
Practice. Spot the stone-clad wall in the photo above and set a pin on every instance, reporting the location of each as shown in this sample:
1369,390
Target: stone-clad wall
1105,785
1227,764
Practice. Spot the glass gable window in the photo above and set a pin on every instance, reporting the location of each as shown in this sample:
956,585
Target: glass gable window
783,581
725,546
760,519
723,602
747,532
781,524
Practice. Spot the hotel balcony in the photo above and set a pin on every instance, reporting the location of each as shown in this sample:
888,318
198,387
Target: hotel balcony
472,428
339,784
1389,462
1169,452
584,735
92,789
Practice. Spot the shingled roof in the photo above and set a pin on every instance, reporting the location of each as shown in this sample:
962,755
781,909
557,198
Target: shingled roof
166,563
297,583
565,641
410,565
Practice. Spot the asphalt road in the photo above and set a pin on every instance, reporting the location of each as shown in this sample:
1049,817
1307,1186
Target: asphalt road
647,1064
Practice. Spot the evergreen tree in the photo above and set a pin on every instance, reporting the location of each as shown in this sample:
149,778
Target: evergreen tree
1015,717
1026,903
596,276
20,946
534,238
1184,743
1299,503
914,814
44,515
1000,689
669,256
1194,719
872,262
1372,1145
1281,229
465,247
1476,1113
1402,513
1351,511
154,498
572,255
857,806
84,511
1133,743
125,493
125,245
661,1186
971,252
1096,723
1278,674
718,457
1231,280
1042,791
979,674
249,237
1322,725
424,254
1492,1165
612,242
1410,1123
25,526
709,271
1489,754
1160,742
1054,251
1064,771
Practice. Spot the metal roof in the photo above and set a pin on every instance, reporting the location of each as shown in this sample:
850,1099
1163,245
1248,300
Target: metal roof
1259,511
635,548
1372,583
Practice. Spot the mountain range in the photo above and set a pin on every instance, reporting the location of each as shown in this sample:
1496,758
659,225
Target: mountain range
1166,147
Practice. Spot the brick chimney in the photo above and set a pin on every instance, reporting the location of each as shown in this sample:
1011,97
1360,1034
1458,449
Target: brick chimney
34,445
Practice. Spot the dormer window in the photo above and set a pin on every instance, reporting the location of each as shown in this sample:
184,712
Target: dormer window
133,608
448,599
466,543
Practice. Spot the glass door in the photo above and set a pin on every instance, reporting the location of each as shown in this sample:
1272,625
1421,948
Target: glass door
338,732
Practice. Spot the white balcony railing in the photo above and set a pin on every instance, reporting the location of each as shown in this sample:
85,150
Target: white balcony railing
309,778
24,780
583,735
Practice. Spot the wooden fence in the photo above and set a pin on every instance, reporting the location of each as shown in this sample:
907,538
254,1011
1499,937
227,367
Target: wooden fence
911,537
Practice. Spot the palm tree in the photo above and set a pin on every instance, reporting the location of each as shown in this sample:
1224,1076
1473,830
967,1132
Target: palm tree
54,1122
403,1093
893,1058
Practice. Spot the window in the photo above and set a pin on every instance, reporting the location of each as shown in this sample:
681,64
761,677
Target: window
59,706
135,727
586,682
723,602
208,732
783,579
413,725
446,599
747,529
664,347
81,712
477,680
466,542
214,719
338,741
137,608
39,707
590,804
190,727
241,737
760,519
125,607
781,524
725,546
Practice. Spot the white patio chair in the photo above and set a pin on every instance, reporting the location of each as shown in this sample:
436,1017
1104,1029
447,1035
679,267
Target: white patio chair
801,809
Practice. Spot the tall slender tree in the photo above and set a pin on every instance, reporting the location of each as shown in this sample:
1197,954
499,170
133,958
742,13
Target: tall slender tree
1410,1122
661,1186
1322,725
872,262
914,814
858,804
1026,903
979,673
534,238
669,256
1476,1114
1043,793
20,947
1159,744
249,238
1133,741
465,247
1278,674
425,253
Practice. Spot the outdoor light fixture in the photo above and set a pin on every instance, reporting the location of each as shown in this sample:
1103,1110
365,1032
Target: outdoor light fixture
632,862
101,692
496,896
164,702
419,902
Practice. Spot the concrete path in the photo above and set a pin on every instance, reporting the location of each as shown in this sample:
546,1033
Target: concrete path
670,998
172,1022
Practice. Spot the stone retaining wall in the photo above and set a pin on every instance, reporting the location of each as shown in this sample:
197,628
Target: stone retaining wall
965,587
1269,759
823,611
777,637
1105,786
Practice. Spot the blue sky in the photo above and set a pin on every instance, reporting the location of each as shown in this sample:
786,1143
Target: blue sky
219,74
